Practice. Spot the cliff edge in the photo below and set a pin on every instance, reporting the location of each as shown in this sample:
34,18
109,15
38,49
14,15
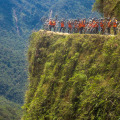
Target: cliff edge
73,77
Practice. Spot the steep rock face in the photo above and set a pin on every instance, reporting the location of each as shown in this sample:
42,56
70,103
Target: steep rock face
73,77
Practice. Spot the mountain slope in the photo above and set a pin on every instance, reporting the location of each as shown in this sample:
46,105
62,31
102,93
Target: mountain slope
12,75
6,14
73,77
17,19
9,110
109,8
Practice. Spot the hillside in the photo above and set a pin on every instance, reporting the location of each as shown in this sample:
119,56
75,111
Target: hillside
73,77
12,74
18,18
108,8
9,110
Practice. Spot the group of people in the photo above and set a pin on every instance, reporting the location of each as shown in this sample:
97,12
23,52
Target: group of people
82,26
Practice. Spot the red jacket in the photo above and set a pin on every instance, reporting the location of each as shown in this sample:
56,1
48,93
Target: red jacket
80,24
62,24
50,22
115,23
54,23
69,25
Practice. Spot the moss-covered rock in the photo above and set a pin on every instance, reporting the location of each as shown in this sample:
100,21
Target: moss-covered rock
73,77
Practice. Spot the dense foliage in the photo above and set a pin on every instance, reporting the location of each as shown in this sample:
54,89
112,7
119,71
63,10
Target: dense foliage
12,74
17,19
109,8
9,110
73,77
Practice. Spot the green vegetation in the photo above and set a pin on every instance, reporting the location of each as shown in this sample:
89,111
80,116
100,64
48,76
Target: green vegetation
73,77
12,74
17,19
9,110
12,83
109,8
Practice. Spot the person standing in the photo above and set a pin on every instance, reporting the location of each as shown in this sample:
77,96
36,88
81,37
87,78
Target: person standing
96,26
75,26
62,26
84,25
115,26
69,27
80,26
54,25
50,24
109,25
102,26
90,27
93,27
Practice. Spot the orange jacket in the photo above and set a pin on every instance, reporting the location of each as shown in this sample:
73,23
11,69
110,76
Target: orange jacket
62,24
54,23
69,25
115,24
96,24
101,25
80,24
50,22
83,23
